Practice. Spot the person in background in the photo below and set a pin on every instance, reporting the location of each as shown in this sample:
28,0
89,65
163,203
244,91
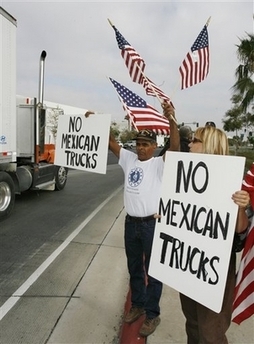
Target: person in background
202,324
142,183
210,123
185,133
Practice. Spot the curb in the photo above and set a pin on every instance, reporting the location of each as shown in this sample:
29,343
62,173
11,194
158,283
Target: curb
129,332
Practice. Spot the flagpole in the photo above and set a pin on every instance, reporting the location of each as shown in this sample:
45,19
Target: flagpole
130,117
110,22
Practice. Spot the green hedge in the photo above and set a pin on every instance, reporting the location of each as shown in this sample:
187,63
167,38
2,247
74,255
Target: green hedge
248,153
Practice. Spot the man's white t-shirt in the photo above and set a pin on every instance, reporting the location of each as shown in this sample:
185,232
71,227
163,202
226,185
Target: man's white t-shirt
142,183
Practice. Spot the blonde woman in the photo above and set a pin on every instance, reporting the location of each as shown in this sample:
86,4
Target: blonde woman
204,326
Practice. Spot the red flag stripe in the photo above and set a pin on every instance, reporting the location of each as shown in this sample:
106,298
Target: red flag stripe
134,63
244,313
158,129
245,293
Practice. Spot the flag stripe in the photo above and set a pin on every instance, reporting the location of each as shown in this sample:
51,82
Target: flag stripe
134,63
244,313
158,129
244,280
245,293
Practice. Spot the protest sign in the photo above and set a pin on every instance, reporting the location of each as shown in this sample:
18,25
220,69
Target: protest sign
82,143
193,238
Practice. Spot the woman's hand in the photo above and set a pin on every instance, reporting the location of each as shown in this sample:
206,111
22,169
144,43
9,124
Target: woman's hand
241,198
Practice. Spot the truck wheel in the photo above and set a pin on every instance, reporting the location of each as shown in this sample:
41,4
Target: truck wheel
7,195
60,178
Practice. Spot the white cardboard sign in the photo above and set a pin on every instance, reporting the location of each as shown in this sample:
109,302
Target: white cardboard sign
193,239
82,143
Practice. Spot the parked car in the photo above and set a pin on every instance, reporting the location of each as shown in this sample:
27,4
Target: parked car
130,144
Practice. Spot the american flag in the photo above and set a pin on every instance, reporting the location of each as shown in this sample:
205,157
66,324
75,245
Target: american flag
132,59
142,115
195,66
243,306
153,90
136,66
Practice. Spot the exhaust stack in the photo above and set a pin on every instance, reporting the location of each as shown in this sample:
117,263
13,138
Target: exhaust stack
41,110
41,76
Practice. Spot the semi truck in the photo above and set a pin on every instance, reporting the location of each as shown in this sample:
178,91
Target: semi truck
26,149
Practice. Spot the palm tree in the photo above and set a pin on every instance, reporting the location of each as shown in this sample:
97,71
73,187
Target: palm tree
233,119
244,85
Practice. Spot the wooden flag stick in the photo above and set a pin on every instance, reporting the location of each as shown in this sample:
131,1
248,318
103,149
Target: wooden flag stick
110,22
208,21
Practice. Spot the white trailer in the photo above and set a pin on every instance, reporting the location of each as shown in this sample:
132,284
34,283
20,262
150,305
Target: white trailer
26,157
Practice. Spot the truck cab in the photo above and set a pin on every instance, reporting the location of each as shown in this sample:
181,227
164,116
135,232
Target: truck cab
27,149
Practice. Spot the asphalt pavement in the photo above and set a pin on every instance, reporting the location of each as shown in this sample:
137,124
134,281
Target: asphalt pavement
94,314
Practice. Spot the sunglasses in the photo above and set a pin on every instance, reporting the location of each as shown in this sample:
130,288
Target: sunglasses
195,140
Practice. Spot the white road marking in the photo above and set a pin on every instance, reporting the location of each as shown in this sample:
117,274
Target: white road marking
7,306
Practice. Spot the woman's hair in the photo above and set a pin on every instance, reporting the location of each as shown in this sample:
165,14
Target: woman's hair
214,140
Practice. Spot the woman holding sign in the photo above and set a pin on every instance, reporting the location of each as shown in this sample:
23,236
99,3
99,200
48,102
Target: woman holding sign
202,324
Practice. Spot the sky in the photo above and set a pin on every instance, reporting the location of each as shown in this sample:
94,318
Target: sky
82,52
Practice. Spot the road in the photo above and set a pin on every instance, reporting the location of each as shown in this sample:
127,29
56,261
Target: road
42,220
33,297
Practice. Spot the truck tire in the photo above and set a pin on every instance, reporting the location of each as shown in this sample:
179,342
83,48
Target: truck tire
7,195
60,178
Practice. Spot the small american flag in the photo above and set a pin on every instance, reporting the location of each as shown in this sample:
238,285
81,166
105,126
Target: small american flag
243,306
142,115
195,66
132,59
136,66
153,90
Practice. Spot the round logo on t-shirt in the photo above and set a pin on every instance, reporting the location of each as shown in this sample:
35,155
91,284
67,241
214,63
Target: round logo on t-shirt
135,176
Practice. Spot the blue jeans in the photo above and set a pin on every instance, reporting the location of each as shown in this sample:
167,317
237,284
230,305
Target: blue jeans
145,290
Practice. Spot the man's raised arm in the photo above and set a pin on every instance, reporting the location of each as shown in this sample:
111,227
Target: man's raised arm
169,113
113,145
